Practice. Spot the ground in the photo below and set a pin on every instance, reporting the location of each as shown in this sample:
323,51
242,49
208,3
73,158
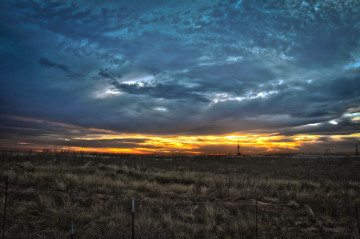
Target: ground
180,197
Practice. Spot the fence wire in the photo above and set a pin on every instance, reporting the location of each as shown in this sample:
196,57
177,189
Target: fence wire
251,216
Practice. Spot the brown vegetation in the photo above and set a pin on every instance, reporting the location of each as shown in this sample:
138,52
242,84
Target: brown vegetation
181,197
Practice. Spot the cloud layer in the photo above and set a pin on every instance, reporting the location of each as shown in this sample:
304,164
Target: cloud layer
180,67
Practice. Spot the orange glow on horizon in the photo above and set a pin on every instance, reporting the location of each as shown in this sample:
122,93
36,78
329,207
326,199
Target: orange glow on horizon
200,144
137,143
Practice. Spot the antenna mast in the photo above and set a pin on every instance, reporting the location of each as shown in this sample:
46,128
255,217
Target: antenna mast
238,149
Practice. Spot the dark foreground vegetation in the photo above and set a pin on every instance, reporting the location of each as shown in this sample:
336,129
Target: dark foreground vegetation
180,197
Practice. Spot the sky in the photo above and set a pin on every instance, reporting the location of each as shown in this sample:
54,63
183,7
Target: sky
178,76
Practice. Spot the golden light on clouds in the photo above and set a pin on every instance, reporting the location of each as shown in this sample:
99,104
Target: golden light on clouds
198,144
76,138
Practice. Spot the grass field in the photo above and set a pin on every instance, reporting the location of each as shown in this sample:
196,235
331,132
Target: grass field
181,197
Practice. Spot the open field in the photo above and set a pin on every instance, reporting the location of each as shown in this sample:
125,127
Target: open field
181,197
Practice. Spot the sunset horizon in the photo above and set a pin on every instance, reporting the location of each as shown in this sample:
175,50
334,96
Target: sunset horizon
106,141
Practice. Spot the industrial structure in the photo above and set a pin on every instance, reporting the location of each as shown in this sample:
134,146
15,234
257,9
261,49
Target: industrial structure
238,149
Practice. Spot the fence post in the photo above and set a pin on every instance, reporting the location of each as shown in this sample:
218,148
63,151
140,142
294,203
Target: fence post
347,209
357,218
133,218
256,220
72,230
5,199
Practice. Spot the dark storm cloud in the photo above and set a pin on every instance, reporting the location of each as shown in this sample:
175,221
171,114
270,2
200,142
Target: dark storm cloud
47,63
334,145
113,80
167,91
238,77
182,67
105,143
101,143
45,133
342,126
27,127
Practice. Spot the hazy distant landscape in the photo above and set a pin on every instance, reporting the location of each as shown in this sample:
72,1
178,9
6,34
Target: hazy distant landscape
181,197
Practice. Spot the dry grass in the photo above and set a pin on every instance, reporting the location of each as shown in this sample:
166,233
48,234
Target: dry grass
263,197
